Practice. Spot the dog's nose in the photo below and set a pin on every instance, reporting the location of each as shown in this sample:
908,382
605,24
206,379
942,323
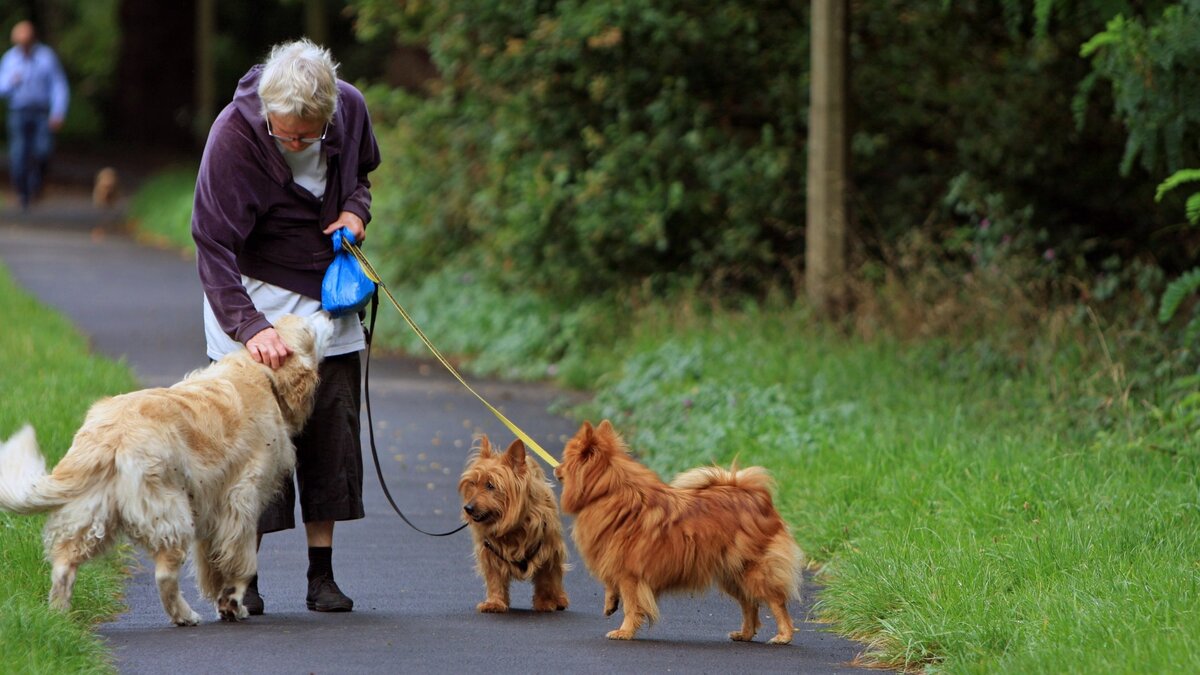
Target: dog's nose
470,509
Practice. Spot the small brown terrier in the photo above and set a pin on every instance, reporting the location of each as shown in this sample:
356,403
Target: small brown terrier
641,537
516,526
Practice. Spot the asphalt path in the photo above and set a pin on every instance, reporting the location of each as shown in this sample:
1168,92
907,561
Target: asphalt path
414,595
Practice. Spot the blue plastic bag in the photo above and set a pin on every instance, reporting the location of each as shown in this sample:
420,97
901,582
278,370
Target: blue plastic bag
346,289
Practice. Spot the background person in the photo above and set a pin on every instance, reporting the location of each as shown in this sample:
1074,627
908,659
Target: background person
32,80
286,165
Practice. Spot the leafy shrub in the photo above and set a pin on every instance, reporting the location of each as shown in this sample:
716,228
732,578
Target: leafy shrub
583,148
1153,69
578,148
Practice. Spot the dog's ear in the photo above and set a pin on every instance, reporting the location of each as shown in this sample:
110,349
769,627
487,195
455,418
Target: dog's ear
295,389
485,446
586,436
585,440
515,456
606,437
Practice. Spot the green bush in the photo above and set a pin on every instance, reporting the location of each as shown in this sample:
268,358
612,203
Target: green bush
1152,62
582,148
573,148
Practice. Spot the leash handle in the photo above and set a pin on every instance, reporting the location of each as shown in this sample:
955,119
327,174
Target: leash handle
371,428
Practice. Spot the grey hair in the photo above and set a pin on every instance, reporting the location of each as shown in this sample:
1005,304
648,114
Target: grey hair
299,79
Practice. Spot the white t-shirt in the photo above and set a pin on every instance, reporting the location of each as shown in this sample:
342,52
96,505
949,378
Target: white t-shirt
274,302
308,168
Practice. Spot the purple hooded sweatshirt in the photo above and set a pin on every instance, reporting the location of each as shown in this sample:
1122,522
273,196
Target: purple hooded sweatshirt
251,218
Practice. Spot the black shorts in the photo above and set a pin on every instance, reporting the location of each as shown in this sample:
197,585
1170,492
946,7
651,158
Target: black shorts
329,467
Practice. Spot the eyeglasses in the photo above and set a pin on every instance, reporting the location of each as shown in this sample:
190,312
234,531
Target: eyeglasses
295,139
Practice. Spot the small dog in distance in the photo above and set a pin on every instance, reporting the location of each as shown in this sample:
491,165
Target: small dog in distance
106,188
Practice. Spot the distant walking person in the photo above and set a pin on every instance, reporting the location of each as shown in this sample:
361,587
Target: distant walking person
32,80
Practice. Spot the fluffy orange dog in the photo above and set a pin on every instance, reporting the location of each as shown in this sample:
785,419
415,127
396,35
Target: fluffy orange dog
641,537
516,527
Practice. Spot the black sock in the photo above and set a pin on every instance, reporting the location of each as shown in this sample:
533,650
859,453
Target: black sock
253,585
320,562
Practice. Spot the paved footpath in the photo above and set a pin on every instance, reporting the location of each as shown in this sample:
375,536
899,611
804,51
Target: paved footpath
414,596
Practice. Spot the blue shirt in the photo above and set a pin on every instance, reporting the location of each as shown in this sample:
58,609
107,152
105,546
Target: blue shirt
34,80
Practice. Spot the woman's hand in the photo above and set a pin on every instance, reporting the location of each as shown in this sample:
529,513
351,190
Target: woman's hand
351,222
268,348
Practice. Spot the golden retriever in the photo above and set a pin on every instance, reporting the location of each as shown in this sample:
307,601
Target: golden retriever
192,464
642,537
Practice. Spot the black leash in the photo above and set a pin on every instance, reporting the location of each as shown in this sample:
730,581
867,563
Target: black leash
371,428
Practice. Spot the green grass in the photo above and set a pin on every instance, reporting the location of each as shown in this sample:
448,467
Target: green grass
161,210
972,517
49,380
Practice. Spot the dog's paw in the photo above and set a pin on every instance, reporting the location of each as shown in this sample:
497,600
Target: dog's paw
780,640
741,636
492,607
189,619
557,603
231,610
619,634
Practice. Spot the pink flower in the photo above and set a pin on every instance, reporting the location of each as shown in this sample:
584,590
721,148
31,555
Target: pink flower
1049,254
985,224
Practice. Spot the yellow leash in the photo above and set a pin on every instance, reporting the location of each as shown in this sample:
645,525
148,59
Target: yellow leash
374,276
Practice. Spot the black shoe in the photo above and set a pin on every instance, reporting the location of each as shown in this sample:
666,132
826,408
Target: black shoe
325,596
252,600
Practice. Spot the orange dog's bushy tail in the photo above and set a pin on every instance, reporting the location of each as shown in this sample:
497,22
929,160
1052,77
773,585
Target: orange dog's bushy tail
754,479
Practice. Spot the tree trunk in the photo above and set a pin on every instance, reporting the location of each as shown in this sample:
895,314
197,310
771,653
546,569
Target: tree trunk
206,68
825,234
316,22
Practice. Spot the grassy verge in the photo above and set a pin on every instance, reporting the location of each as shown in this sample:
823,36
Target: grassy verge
49,381
972,516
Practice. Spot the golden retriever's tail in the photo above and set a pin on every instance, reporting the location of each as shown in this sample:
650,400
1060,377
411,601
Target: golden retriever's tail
25,487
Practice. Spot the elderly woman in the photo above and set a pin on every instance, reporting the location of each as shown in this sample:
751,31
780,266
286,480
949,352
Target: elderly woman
286,165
